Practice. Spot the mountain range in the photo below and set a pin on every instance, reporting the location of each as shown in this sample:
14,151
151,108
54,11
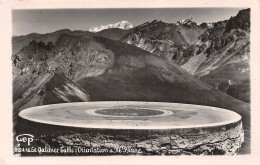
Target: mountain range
186,62
216,53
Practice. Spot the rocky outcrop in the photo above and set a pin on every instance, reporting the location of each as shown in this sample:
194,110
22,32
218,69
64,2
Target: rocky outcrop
221,140
227,62
226,142
159,38
76,56
240,21
36,64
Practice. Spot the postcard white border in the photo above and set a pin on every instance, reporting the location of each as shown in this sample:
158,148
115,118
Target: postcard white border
6,153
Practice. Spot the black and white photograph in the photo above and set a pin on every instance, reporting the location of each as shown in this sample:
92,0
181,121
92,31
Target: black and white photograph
165,81
131,82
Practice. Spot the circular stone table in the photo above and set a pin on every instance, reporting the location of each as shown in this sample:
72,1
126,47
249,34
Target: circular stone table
140,127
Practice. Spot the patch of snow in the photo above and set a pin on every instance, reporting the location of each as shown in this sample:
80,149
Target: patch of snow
185,21
210,25
246,58
245,70
231,82
78,92
60,94
129,42
153,50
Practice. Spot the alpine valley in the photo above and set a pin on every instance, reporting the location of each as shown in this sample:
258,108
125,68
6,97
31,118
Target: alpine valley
183,62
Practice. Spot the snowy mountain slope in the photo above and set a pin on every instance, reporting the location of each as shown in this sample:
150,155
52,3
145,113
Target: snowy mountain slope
120,25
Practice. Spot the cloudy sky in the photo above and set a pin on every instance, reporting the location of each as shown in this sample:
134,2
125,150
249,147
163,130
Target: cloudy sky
44,21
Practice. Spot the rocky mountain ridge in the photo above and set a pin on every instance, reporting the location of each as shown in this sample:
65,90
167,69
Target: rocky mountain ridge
35,64
19,42
203,49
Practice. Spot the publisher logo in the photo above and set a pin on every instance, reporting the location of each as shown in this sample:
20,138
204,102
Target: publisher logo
25,138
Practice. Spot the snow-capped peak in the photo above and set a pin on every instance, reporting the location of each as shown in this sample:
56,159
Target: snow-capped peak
185,21
189,22
210,25
121,25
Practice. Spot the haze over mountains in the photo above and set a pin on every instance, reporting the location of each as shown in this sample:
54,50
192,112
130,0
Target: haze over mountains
186,62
